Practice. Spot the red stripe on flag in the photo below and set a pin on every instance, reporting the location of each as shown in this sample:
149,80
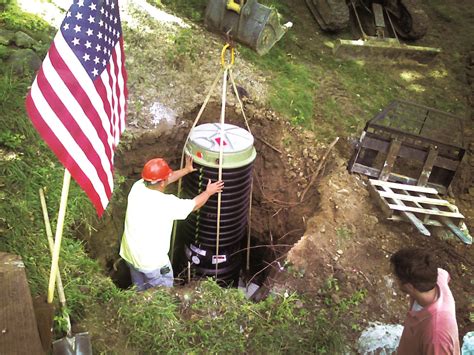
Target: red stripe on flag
62,153
81,97
74,129
101,90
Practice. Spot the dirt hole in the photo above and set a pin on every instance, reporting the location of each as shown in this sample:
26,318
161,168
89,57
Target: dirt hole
286,158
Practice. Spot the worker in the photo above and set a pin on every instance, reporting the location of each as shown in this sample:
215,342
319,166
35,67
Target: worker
430,325
149,222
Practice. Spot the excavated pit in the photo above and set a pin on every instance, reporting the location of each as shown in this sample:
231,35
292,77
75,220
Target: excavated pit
286,159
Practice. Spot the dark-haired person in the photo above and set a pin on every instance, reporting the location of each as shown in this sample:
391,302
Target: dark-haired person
149,221
430,325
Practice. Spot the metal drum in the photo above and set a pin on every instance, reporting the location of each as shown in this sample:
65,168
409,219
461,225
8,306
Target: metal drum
247,22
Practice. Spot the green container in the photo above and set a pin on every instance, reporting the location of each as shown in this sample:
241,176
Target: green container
204,146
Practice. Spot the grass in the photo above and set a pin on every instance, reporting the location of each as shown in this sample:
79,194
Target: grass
192,9
292,84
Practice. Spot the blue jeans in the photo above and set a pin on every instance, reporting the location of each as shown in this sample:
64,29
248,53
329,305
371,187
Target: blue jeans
147,279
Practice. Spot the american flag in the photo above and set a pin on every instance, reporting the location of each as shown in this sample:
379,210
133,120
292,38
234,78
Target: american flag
78,99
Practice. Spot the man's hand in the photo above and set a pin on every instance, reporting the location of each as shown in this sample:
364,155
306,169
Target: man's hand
189,164
211,189
214,187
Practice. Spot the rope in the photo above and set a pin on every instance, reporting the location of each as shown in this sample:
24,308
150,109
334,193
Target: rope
221,155
251,188
238,99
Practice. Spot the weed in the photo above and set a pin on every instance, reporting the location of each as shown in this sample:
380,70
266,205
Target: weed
61,321
11,140
184,48
192,9
343,233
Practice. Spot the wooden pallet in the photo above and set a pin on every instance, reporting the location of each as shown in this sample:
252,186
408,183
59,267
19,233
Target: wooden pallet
419,205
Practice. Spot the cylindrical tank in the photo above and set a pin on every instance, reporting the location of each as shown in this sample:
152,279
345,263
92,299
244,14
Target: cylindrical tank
199,230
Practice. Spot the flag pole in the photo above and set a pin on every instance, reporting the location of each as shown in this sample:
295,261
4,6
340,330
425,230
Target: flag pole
59,234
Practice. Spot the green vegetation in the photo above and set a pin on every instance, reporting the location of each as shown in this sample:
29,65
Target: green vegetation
184,48
212,319
292,84
192,9
343,233
13,18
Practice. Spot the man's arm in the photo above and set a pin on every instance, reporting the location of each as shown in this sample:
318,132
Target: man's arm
178,174
211,189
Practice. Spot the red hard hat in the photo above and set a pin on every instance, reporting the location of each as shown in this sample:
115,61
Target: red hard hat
156,170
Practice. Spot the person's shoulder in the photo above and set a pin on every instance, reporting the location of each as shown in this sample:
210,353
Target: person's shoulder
137,185
443,275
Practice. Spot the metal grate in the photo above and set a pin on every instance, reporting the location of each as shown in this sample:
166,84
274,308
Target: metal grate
421,121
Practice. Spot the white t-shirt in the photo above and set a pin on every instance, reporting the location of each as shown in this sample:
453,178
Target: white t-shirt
148,226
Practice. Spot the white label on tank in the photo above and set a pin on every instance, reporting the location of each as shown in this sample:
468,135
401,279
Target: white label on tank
217,259
195,260
197,250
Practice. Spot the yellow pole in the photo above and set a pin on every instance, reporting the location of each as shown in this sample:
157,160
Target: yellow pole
59,234
221,155
249,224
49,234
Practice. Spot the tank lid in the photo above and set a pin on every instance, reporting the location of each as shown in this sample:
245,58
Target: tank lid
204,145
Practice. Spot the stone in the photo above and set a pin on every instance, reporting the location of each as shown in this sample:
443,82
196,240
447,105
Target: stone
5,52
23,40
6,36
379,338
372,220
24,60
468,343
